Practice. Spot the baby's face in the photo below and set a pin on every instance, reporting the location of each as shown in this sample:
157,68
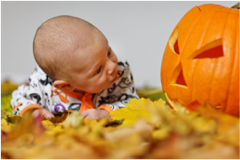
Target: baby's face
98,69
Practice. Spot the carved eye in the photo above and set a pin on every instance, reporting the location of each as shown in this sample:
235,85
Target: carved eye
211,50
173,42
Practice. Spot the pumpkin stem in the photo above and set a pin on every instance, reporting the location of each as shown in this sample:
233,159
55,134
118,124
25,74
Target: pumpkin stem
237,6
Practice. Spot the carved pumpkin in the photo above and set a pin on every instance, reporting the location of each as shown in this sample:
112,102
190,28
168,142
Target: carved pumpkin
201,60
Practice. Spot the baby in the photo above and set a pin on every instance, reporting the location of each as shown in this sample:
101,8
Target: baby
77,70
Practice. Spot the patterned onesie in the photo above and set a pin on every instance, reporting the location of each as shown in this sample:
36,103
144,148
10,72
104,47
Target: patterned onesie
40,93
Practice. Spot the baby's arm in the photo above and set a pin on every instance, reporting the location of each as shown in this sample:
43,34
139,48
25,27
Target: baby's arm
94,113
28,96
22,100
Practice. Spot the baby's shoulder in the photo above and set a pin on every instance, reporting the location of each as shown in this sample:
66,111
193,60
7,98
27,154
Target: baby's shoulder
38,75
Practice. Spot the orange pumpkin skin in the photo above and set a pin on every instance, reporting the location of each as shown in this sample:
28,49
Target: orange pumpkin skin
201,59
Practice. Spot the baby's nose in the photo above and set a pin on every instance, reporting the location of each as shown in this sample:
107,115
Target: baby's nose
111,68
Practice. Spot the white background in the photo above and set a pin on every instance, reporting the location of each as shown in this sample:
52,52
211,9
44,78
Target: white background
137,31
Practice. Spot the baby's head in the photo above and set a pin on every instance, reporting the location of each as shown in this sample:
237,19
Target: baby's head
75,54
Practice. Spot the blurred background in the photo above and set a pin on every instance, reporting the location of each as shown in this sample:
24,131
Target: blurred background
137,31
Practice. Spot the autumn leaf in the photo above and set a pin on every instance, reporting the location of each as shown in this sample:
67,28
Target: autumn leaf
73,120
144,129
26,125
5,127
139,109
227,125
153,94
7,87
13,118
6,109
57,118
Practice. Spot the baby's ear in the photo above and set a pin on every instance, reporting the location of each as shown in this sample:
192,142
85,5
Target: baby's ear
63,85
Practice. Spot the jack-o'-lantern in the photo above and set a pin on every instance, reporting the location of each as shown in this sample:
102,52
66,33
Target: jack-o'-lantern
201,59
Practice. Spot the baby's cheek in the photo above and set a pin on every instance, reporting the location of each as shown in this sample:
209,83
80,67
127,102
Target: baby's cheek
96,87
103,81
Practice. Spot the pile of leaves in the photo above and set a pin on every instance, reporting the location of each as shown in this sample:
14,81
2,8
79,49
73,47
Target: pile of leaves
146,128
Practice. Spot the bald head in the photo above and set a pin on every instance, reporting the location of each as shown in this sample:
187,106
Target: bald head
56,41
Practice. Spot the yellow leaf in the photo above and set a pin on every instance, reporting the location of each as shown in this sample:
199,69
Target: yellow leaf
139,109
55,130
73,120
5,126
13,118
4,122
47,124
228,126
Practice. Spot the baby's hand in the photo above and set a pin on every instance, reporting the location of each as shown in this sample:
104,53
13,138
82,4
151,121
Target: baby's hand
43,112
94,113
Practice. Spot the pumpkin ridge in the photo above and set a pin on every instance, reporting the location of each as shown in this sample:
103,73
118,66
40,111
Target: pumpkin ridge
224,107
203,39
190,31
235,63
196,64
206,29
217,41
215,67
238,109
184,20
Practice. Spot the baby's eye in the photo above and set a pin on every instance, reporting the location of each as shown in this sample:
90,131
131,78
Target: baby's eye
99,70
109,52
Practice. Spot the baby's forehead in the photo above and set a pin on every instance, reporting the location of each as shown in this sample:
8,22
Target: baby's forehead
90,52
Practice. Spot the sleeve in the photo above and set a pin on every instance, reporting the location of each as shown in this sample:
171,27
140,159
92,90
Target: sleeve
29,96
122,90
